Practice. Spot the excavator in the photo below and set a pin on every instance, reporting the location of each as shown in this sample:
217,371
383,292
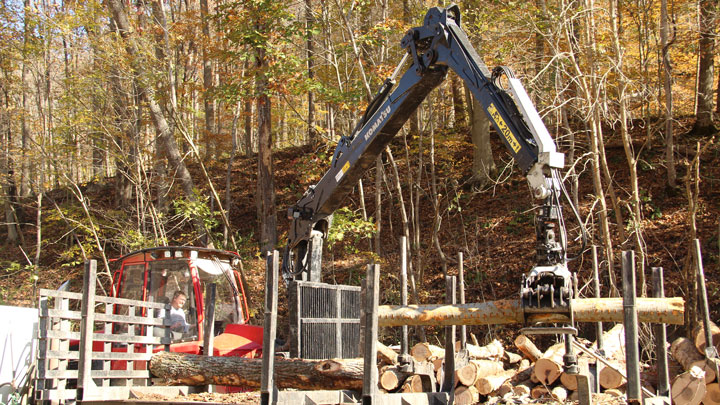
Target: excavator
432,49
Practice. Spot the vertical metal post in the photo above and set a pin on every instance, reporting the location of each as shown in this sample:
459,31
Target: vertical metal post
405,342
461,278
209,323
596,282
85,381
449,371
630,320
268,390
711,353
598,325
372,300
663,385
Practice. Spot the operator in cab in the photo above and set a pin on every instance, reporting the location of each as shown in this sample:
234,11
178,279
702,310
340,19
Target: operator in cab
177,314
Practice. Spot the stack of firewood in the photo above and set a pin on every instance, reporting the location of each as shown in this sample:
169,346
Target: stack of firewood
493,371
696,379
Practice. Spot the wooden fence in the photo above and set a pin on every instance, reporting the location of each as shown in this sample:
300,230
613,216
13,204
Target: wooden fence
95,347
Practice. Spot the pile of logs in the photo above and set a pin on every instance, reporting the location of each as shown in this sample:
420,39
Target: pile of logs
490,371
494,371
696,380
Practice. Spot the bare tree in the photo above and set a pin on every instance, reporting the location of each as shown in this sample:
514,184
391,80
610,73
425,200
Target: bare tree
704,123
265,197
666,42
208,82
164,133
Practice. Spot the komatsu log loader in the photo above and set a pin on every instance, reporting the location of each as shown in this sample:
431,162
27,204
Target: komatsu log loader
432,49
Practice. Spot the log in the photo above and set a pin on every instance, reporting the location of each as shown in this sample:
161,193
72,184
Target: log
712,394
609,376
528,348
189,369
424,351
488,384
655,310
539,391
684,351
492,351
549,367
559,393
391,378
523,373
504,389
466,395
466,375
523,387
386,355
689,387
413,384
569,381
699,336
510,358
613,341
486,367
615,392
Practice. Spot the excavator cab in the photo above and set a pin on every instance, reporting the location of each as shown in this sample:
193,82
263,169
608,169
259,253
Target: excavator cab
159,274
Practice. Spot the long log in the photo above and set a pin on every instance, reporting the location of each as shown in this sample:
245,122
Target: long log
189,369
486,385
654,310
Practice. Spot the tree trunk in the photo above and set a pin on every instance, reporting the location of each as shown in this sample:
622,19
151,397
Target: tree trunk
313,136
164,133
667,86
483,163
208,83
704,123
189,369
26,159
457,96
636,219
266,178
654,310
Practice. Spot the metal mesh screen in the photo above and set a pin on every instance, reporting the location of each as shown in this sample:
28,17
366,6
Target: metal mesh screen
325,320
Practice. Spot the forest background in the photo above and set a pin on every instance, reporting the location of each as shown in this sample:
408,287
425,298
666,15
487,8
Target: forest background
131,124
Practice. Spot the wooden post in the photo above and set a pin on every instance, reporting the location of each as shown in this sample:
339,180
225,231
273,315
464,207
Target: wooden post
405,342
372,299
663,385
209,322
598,325
461,278
632,358
711,353
268,390
85,381
449,371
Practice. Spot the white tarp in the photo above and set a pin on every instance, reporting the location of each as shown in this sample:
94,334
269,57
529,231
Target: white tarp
18,347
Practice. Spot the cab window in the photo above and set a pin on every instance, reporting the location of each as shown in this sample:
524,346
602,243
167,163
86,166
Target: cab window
166,278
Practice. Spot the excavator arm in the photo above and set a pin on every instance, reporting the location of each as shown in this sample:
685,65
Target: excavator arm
438,45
